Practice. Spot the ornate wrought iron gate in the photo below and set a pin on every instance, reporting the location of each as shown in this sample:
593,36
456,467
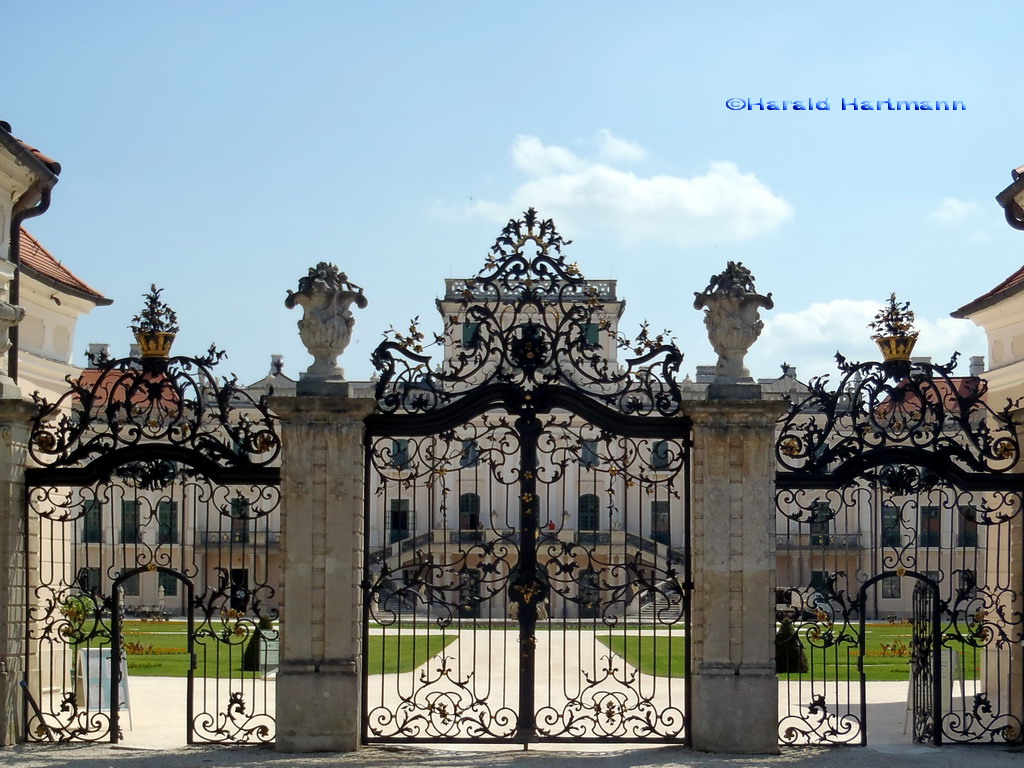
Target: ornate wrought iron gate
527,541
901,476
925,667
156,496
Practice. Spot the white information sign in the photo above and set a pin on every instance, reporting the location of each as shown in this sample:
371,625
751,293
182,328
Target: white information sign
94,670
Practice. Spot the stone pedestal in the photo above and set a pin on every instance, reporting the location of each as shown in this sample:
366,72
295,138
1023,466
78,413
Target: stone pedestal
319,678
735,689
14,433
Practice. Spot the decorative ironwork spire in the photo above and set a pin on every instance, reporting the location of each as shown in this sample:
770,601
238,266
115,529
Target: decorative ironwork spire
536,323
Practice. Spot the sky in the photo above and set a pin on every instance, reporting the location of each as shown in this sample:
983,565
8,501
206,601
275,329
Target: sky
219,150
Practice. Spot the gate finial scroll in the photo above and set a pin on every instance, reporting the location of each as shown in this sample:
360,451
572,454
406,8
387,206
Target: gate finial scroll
326,295
731,304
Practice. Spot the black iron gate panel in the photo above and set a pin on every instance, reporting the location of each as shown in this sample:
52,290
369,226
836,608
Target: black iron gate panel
925,666
155,507
527,549
900,475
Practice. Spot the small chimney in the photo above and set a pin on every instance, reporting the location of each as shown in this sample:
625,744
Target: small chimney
921,360
135,351
98,353
977,365
276,365
705,374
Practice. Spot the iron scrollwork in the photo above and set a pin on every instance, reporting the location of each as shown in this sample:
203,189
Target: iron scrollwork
532,317
902,474
480,462
148,466
137,403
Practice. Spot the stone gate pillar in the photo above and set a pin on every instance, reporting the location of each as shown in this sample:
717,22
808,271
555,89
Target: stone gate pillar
735,689
319,680
319,677
15,568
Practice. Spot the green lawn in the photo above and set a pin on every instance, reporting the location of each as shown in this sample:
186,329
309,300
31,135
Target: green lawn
403,653
887,655
158,649
651,654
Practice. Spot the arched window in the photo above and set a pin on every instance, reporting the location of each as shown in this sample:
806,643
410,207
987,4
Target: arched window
588,512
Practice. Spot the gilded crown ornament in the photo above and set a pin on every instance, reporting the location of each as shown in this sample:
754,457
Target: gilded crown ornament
156,326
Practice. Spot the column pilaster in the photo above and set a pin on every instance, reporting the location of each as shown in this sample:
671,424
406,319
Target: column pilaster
735,689
319,678
17,564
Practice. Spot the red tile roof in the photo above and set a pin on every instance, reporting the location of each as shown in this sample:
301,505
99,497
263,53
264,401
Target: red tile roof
41,263
49,162
1009,287
18,147
952,393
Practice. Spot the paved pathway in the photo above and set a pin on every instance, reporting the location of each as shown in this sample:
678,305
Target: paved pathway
158,706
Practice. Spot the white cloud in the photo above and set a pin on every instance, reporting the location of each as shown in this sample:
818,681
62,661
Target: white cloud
721,205
532,156
615,150
810,338
953,211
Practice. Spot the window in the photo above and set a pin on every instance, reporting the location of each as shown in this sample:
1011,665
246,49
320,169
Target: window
930,530
891,526
660,455
131,586
399,454
130,522
660,530
239,514
169,584
589,594
89,580
968,584
891,587
470,454
469,512
470,335
399,515
967,527
589,456
92,527
592,335
818,581
469,593
167,522
588,512
820,522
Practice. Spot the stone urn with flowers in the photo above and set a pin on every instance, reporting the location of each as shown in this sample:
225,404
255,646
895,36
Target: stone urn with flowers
894,331
732,317
325,295
156,326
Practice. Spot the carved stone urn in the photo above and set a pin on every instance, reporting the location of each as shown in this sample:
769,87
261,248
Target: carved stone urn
326,295
732,307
